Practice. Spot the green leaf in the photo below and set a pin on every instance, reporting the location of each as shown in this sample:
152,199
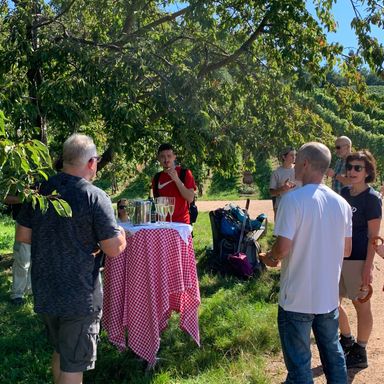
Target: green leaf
42,173
34,201
2,125
43,203
62,207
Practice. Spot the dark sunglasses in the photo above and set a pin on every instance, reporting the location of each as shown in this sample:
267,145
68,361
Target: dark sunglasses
122,207
357,168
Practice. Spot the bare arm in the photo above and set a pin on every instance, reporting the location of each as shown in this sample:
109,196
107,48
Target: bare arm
342,179
373,230
279,251
12,200
188,194
281,190
23,234
114,246
347,246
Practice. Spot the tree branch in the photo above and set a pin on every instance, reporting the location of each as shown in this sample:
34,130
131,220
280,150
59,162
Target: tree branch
65,10
154,24
130,19
243,48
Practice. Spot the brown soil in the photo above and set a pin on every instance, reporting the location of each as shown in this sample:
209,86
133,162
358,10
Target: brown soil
374,374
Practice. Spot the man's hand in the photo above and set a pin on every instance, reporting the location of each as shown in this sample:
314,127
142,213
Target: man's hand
330,172
378,245
173,174
268,259
287,186
367,275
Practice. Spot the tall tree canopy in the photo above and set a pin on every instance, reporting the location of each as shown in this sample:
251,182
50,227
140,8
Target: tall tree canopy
214,77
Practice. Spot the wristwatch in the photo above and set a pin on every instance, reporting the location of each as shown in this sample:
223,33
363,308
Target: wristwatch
270,257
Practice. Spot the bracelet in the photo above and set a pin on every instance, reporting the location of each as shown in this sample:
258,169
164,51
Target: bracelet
270,257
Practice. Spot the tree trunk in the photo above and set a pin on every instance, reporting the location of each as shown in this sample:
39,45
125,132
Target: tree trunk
34,73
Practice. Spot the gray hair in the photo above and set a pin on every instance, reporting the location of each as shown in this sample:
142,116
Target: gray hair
317,154
78,149
345,139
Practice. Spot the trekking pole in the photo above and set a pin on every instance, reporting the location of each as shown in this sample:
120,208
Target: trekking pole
243,225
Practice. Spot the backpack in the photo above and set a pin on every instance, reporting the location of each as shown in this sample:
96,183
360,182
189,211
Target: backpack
193,211
240,265
225,235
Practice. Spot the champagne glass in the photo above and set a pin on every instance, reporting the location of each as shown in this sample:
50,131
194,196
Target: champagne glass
158,210
131,211
171,207
159,205
165,212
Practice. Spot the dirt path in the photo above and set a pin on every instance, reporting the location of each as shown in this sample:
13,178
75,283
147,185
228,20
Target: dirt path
255,207
374,374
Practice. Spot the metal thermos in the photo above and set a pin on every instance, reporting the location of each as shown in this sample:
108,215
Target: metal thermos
142,212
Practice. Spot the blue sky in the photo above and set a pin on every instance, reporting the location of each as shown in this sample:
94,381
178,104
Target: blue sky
344,14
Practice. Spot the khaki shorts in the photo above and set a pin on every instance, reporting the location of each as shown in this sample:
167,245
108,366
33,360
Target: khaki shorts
350,279
75,339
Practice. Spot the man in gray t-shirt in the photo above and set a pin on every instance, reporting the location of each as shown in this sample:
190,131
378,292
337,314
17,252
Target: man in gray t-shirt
65,271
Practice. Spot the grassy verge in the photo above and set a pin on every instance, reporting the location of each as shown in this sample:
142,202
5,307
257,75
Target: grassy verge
7,231
237,325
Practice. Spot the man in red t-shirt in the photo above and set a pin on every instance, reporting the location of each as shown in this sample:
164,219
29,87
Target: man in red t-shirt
170,185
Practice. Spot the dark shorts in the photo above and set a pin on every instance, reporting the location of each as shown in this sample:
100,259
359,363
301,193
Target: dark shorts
75,339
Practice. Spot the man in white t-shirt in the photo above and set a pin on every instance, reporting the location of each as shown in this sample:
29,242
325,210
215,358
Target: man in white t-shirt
314,230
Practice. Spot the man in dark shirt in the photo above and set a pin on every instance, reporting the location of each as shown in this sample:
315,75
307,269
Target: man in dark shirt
65,273
343,146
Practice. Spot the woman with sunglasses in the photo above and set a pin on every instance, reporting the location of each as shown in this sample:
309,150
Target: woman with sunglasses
122,215
356,274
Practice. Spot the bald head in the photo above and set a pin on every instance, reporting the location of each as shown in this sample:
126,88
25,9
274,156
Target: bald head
316,154
343,146
344,140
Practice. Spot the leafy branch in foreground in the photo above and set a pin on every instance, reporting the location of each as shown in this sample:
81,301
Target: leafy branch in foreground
22,166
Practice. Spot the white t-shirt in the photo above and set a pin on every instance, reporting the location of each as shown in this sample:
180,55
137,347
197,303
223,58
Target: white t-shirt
317,220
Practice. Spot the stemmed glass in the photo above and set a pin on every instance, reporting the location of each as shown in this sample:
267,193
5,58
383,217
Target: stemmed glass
131,211
160,203
171,207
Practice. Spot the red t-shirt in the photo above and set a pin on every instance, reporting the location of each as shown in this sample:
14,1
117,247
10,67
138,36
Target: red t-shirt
167,187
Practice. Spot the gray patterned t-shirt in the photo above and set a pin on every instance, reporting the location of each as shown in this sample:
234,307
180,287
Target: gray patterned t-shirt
65,274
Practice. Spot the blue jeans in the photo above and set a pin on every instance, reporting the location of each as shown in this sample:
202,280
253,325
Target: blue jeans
295,335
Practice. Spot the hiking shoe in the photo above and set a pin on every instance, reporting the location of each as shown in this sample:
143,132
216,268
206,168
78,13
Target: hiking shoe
18,301
346,343
357,357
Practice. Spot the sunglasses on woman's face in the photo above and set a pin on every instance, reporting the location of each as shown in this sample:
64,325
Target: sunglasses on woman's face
357,168
122,207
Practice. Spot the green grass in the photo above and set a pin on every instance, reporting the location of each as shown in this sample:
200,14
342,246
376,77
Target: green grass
7,230
237,326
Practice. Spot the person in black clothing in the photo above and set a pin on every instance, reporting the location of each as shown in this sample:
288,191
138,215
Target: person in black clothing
65,263
357,270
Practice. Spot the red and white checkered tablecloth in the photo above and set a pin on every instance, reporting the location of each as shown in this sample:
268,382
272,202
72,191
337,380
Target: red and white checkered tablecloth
155,275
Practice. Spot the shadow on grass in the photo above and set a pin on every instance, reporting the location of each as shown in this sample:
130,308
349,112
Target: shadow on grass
227,303
25,352
218,277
